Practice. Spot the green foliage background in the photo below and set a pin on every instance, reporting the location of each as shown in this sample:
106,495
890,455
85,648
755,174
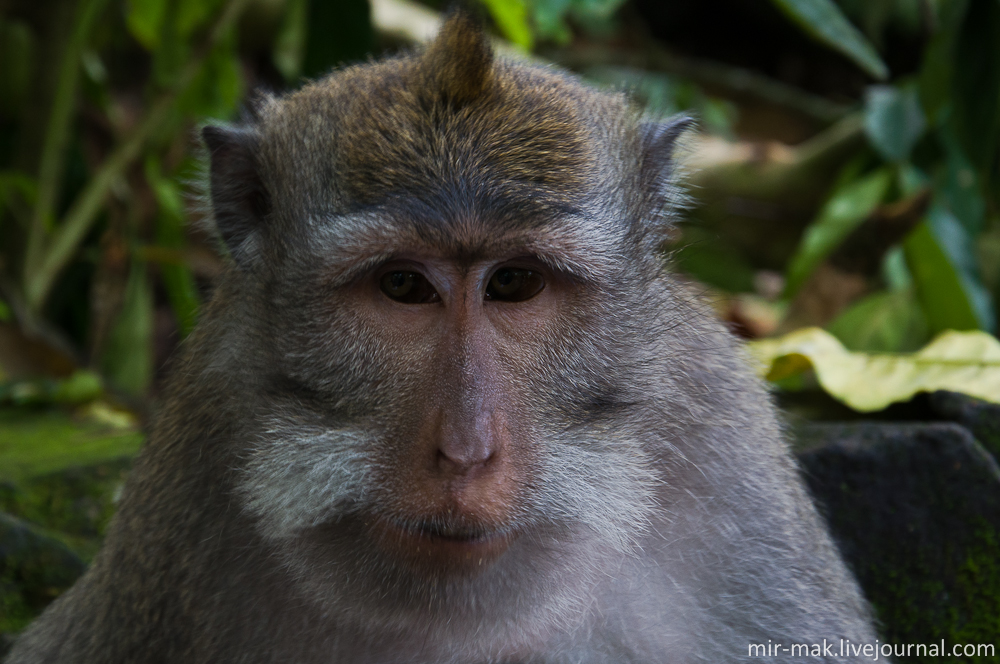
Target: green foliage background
98,152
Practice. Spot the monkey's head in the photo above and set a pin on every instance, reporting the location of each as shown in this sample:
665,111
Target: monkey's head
447,267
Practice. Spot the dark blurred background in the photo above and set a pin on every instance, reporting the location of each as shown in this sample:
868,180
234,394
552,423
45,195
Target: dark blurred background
844,178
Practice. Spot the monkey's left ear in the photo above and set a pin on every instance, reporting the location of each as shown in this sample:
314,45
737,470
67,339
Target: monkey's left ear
659,140
239,199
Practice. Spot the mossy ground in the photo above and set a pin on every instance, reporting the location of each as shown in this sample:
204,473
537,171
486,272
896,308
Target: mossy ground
43,440
60,475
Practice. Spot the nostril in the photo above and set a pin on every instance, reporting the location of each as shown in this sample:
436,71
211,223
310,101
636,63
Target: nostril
464,455
469,441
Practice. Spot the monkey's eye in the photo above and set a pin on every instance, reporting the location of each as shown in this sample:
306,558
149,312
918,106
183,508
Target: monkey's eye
408,288
511,284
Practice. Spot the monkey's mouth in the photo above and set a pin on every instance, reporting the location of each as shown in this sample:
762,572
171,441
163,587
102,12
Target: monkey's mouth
449,533
445,543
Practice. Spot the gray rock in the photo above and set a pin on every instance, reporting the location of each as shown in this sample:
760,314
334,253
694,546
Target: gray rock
980,417
915,509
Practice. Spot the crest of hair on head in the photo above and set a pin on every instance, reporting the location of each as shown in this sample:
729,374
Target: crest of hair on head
459,62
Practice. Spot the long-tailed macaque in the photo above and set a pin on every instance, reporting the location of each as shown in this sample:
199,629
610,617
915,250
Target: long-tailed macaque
448,405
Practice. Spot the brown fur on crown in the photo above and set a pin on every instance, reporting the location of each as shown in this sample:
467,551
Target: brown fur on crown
395,127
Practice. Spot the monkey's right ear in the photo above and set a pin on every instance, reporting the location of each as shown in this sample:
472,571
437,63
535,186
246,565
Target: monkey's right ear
239,199
659,140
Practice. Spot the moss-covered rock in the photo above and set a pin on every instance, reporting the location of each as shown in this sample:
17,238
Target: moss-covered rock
915,509
980,417
60,475
76,503
34,568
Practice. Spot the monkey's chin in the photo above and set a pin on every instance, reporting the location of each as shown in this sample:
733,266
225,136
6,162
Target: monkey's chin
445,549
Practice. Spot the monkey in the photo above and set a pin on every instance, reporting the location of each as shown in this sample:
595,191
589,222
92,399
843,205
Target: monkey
450,404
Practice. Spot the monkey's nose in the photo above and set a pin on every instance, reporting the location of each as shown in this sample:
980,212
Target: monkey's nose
465,447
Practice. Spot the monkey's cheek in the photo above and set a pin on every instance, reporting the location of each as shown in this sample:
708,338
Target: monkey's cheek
440,554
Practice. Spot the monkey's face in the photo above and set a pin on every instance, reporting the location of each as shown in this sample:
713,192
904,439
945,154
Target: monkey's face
443,348
450,267
465,375
449,410
455,465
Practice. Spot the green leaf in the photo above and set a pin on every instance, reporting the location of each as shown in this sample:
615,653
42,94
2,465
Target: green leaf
894,121
193,14
218,89
711,261
939,256
128,357
179,26
18,61
910,180
935,78
959,186
593,7
549,20
844,211
966,362
976,84
15,181
145,21
884,322
171,51
593,17
81,387
895,274
511,16
824,21
289,45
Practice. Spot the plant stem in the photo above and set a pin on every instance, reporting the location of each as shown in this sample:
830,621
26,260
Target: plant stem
83,212
53,157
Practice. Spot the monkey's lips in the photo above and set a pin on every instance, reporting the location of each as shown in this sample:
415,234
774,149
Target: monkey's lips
454,546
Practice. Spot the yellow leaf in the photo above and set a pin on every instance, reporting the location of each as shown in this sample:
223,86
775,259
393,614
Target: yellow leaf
966,362
102,412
